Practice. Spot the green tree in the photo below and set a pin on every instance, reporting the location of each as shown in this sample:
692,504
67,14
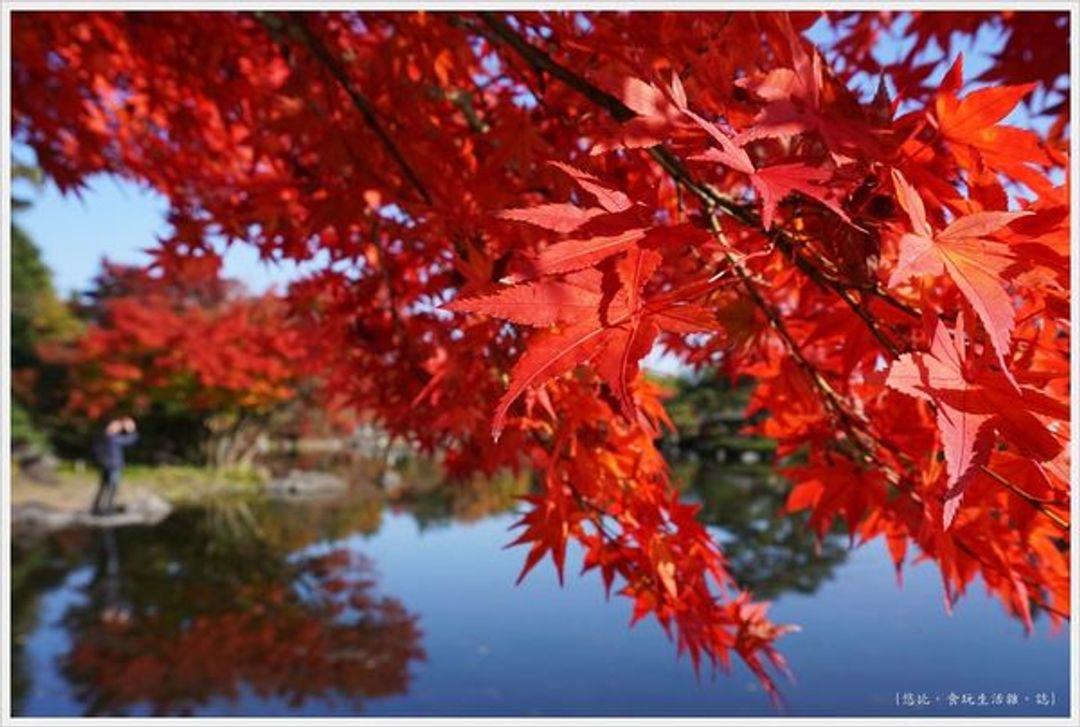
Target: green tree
39,317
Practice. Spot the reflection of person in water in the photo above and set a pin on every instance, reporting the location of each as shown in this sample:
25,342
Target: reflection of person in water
109,453
114,610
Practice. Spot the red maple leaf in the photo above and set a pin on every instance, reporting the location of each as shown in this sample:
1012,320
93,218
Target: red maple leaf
799,100
973,402
775,182
617,225
975,264
613,330
972,128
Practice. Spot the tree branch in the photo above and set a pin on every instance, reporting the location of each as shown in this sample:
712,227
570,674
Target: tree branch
1037,503
295,26
538,59
543,62
713,200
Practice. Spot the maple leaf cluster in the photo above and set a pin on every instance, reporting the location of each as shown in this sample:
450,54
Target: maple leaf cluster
509,211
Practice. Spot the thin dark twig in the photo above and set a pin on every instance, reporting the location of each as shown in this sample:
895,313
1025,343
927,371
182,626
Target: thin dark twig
543,62
1038,503
295,25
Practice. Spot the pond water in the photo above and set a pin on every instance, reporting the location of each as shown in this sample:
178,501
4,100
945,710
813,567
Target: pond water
264,608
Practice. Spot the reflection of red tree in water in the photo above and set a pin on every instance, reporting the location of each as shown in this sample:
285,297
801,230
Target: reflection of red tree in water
324,634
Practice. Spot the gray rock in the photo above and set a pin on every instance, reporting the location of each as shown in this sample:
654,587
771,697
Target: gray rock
37,464
391,481
303,483
142,509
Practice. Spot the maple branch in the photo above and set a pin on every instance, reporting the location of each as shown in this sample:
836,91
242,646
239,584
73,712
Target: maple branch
871,324
295,25
974,555
1036,502
622,113
790,245
787,246
713,200
541,61
1040,504
596,513
774,318
851,424
343,137
619,111
708,196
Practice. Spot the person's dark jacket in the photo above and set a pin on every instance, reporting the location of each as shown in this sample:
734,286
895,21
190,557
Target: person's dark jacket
109,448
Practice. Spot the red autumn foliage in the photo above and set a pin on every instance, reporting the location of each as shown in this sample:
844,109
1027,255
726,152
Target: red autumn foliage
513,210
204,342
251,634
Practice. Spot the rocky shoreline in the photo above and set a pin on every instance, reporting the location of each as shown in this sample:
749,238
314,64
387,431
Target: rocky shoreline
40,508
144,508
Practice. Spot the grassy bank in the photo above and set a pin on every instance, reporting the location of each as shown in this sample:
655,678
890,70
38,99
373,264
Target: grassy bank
74,487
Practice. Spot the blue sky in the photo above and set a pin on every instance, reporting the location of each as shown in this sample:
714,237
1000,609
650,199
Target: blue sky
118,220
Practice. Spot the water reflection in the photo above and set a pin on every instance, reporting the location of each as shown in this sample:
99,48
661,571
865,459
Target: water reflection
172,617
274,601
768,551
460,501
412,484
732,475
34,571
